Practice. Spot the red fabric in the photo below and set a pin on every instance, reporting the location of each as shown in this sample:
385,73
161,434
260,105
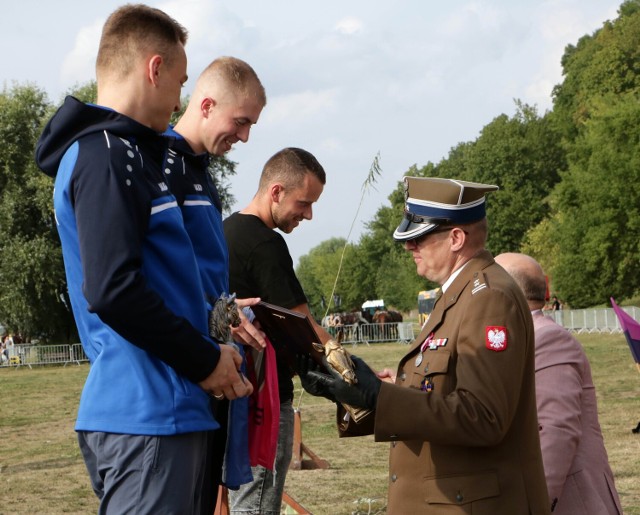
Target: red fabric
264,407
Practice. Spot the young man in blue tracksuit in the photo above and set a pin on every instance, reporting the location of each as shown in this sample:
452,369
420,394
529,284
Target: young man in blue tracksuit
132,275
227,100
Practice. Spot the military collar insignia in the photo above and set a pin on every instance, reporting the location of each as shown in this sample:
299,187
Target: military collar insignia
477,286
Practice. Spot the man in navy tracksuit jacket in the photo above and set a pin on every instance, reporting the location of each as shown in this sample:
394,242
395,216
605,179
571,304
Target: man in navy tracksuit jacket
132,275
130,270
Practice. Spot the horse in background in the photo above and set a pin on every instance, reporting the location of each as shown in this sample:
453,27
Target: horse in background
387,323
345,325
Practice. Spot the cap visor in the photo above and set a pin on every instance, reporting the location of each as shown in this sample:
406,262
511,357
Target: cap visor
409,230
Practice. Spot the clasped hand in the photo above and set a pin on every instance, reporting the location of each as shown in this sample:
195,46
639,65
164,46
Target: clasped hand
226,379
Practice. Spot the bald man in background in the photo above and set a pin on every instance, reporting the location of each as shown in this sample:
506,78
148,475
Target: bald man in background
576,465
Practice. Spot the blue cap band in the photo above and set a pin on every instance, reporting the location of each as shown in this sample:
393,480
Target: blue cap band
459,216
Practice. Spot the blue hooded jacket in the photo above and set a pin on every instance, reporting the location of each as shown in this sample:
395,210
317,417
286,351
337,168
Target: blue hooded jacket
198,198
133,279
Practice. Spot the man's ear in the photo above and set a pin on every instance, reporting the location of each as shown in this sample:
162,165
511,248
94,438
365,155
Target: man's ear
206,105
275,191
458,237
154,69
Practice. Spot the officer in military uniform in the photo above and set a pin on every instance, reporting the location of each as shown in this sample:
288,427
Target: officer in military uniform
460,412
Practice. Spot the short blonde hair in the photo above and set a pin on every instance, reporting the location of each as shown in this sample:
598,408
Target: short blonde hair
233,75
131,32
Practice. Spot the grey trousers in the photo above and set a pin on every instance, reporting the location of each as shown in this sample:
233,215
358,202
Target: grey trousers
133,474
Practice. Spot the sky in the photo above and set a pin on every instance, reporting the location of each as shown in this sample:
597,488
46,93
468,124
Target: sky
346,80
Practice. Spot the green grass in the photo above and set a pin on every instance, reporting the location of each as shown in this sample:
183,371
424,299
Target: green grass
42,471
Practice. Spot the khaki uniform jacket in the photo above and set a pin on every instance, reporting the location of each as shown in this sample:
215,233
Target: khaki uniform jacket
579,478
461,417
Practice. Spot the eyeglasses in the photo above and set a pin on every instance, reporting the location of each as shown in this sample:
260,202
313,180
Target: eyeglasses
420,239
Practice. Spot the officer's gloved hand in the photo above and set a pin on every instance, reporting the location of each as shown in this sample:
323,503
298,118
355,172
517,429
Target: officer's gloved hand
363,394
313,377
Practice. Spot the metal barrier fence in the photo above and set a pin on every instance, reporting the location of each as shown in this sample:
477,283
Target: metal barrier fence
374,333
602,320
28,355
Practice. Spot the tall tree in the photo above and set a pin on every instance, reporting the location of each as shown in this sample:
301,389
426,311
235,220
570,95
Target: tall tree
317,272
521,154
593,227
604,63
597,223
32,283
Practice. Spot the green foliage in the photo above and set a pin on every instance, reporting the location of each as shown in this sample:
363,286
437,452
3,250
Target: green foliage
31,272
540,244
21,111
605,63
397,282
85,92
221,170
377,267
523,156
317,272
593,228
597,230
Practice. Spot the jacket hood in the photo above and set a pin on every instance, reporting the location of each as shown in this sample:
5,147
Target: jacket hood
75,119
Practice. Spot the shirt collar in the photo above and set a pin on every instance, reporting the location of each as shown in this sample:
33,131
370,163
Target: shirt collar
452,278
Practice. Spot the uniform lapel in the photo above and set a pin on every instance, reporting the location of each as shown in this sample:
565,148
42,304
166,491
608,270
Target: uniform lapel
434,320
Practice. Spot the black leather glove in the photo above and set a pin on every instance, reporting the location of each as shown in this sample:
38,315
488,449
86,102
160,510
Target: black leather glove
363,394
312,377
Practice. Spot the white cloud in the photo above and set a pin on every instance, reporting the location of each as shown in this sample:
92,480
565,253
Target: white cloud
471,17
349,26
78,66
298,107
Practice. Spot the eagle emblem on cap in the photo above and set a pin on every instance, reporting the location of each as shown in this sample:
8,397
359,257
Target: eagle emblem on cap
496,338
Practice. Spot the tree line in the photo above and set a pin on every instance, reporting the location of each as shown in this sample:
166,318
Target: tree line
33,289
569,183
569,195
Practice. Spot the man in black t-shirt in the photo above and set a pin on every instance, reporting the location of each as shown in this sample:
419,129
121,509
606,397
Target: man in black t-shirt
260,266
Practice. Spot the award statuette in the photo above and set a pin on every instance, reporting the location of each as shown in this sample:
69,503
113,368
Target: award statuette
294,333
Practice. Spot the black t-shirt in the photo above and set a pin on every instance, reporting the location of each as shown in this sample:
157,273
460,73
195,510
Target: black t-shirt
260,266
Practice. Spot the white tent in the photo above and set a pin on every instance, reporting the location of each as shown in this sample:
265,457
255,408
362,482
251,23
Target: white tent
373,304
